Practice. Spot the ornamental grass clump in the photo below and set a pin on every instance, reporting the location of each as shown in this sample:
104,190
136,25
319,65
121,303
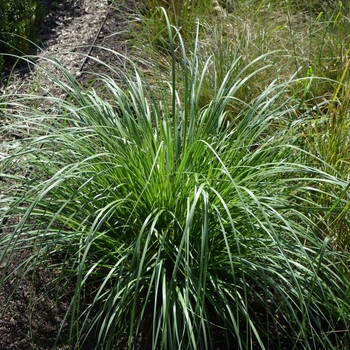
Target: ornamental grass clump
186,227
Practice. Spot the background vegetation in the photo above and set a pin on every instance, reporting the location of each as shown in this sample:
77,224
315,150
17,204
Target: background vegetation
204,202
18,19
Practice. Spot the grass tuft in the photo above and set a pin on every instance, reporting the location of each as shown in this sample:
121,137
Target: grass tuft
184,223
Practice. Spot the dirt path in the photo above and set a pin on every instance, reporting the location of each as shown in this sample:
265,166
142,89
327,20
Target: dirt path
66,34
